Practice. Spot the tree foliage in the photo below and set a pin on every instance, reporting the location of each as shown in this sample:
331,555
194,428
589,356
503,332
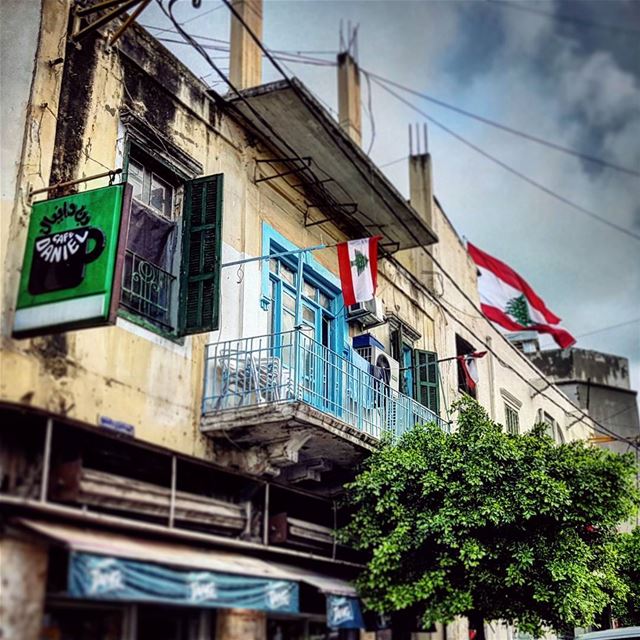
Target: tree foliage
482,523
626,608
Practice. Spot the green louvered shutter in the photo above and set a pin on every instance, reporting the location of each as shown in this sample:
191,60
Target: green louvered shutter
201,248
427,379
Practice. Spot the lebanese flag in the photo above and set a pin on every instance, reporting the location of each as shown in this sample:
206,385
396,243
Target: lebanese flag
358,261
470,368
507,300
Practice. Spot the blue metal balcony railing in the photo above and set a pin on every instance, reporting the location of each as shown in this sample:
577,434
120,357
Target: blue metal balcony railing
290,367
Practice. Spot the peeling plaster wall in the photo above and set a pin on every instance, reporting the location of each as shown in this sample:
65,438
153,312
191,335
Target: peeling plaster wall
130,374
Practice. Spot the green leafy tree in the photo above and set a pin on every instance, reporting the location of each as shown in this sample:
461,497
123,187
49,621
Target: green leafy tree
489,525
627,607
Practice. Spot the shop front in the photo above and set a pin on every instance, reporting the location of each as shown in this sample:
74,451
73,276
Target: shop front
111,586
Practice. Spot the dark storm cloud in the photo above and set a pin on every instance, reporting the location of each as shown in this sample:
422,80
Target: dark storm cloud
611,30
481,38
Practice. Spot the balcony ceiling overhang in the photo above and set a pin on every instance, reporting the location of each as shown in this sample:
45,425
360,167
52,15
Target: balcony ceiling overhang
296,116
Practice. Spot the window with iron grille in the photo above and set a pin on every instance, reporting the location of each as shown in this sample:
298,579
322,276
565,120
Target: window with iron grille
171,272
511,419
151,261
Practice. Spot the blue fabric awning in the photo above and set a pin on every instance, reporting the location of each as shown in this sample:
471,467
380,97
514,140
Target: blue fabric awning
98,577
114,566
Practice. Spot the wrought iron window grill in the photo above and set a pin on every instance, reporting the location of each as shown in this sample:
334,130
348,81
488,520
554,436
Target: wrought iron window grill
147,289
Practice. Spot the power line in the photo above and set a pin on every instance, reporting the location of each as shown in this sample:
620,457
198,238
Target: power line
388,164
360,170
610,327
609,417
510,169
198,15
412,234
304,59
503,127
520,6
283,56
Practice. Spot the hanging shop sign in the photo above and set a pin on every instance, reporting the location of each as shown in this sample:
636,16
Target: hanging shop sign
72,263
343,612
107,578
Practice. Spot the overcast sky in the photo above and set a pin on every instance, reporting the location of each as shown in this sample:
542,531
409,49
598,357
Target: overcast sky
570,82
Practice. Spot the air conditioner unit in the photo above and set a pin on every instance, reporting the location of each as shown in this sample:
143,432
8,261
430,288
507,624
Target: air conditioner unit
367,313
387,367
284,529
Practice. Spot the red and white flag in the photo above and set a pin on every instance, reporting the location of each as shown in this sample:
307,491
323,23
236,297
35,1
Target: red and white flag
358,261
470,368
507,300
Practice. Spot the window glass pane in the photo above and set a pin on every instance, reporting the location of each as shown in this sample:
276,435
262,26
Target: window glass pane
288,301
324,300
161,194
309,290
272,307
288,321
309,315
136,178
511,420
273,265
287,274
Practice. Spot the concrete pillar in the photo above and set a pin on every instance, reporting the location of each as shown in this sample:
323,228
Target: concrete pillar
23,576
245,60
421,186
241,624
349,108
421,199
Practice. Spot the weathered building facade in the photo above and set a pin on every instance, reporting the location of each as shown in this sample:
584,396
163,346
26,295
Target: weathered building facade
211,444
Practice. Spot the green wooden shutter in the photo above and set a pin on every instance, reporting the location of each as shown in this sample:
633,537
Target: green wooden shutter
427,379
201,249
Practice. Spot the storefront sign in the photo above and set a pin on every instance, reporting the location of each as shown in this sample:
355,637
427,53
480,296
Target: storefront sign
105,578
344,613
69,273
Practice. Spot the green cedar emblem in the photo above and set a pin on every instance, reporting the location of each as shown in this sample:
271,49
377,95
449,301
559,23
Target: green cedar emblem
360,262
518,308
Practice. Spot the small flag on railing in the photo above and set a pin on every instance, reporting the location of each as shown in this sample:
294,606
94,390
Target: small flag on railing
358,261
509,301
470,368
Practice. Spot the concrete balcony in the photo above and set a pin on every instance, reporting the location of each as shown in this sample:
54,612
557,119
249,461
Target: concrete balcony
286,405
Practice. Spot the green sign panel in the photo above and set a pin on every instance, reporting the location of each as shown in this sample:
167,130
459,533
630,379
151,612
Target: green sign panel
72,261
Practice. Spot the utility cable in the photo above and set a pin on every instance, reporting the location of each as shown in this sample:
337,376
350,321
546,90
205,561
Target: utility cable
510,169
306,59
521,6
585,417
503,127
412,234
609,328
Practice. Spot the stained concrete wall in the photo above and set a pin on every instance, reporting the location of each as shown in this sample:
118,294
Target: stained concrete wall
23,574
131,374
584,365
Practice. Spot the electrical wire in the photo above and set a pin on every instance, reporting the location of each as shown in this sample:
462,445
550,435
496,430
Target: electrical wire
298,58
388,164
412,234
195,17
521,6
435,261
584,416
370,112
503,127
510,169
609,328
